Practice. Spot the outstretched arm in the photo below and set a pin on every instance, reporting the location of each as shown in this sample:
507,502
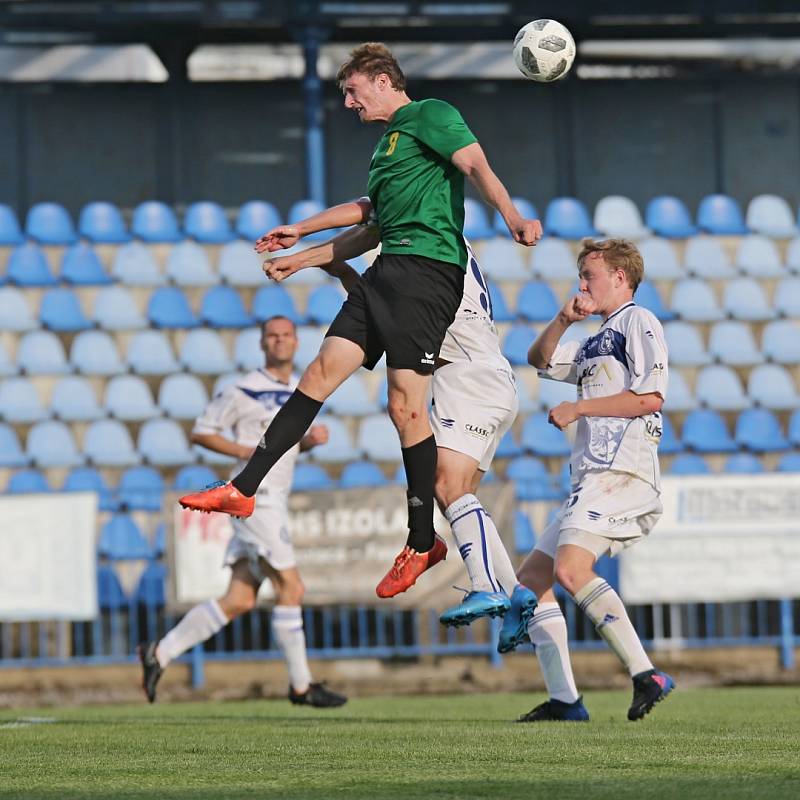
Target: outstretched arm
623,404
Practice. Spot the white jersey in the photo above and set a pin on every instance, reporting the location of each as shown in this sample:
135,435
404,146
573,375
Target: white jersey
248,408
627,353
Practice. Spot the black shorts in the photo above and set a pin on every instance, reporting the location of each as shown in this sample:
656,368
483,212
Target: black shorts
401,306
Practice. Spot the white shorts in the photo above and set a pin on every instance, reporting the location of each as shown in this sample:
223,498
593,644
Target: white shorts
263,535
473,407
607,512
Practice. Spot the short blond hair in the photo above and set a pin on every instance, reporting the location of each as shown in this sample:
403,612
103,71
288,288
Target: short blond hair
372,59
618,254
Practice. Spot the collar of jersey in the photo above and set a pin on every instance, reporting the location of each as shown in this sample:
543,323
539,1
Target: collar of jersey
618,311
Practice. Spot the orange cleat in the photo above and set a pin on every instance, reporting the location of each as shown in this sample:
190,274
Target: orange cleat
220,496
408,566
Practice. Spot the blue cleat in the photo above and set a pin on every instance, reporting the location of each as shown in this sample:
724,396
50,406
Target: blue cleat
515,623
557,711
649,688
474,606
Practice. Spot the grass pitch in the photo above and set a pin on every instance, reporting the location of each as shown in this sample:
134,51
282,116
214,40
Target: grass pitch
715,743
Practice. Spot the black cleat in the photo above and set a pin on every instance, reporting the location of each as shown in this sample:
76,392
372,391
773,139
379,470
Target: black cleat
317,695
151,669
557,711
649,688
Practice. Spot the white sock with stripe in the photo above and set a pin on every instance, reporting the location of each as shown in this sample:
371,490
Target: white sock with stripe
287,628
605,609
199,624
548,631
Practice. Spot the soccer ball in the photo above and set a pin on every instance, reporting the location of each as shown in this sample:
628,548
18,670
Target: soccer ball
544,50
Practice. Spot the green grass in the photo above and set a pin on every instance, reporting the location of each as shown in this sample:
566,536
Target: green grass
716,743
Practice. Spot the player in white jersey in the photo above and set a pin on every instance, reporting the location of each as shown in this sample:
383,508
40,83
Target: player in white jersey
261,546
621,375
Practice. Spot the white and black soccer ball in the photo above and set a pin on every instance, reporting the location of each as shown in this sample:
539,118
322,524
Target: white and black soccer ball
544,50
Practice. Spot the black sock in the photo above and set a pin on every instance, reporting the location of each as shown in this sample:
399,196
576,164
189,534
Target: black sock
420,463
284,432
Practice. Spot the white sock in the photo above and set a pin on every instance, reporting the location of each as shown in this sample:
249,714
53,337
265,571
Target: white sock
504,570
199,624
604,608
548,631
287,628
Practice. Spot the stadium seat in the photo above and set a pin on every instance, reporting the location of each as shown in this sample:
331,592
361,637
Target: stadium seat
780,341
303,209
694,301
787,298
14,311
74,400
744,299
525,208
169,308
732,343
503,260
41,353
667,216
648,296
110,596
224,381
552,260
720,215
19,401
274,301
527,404
107,443
719,387
222,307
128,398
543,439
80,266
705,258
154,221
193,477
759,430
255,218
140,489
789,463
88,479
679,396
771,386
115,310
742,464
309,341
771,216
134,265
10,232
660,261
61,311
206,222
150,353
7,366
11,454
551,393
532,481
49,223
524,536
203,352
352,399
568,218
324,303
188,265
182,396
499,310
670,443
27,266
685,345
310,478
94,353
508,446
516,343
247,352
102,223
476,220
121,539
536,302
339,447
28,481
758,257
362,474
618,216
793,256
705,431
377,438
150,589
689,464
163,443
240,265
50,444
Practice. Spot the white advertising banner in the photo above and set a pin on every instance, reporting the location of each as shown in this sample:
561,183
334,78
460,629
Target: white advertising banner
721,538
48,566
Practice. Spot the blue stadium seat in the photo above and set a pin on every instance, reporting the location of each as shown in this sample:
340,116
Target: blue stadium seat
780,341
789,463
689,464
772,216
10,233
660,261
793,431
150,589
310,478
188,265
362,474
324,303
543,439
128,398
240,265
377,438
537,303
203,352
7,366
771,386
525,208
27,266
153,221
61,311
150,353
759,430
303,209
88,479
667,216
339,447
309,341
719,387
352,399
758,257
41,353
224,381
648,296
247,352
504,260
553,260
50,444
134,265
49,223
19,401
551,393
705,258
206,222
193,477
743,464
169,308
107,443
255,218
110,596
744,299
670,443
94,353
74,400
102,223
787,298
793,256
732,343
568,218
524,536
685,345
508,446
28,481
564,479
616,215
476,220
222,307
720,215
14,311
121,539
11,454
532,481
679,396
115,310
80,266
693,300
163,443
500,310
704,431
274,301
182,396
140,489
517,342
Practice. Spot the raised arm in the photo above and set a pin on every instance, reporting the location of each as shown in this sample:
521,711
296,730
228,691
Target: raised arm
577,308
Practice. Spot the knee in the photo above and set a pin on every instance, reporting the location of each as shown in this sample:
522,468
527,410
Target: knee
398,410
536,579
570,578
237,605
449,488
291,593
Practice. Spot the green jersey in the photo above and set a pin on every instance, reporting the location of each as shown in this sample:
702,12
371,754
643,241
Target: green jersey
416,191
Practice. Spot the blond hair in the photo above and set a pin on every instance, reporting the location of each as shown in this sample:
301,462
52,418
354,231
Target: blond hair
618,254
372,59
